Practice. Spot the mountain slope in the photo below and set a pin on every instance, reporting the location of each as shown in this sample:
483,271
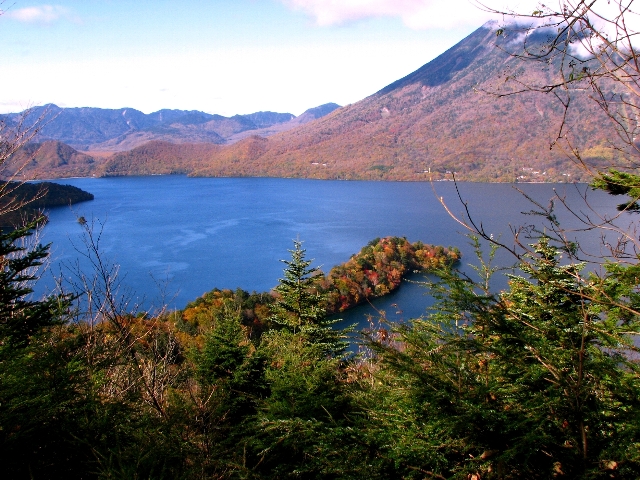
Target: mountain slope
445,117
306,117
50,159
434,121
158,158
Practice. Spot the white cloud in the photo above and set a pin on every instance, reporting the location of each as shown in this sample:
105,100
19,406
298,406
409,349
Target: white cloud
416,14
429,14
604,16
41,14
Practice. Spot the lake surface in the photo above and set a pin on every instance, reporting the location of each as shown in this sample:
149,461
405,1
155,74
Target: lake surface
190,235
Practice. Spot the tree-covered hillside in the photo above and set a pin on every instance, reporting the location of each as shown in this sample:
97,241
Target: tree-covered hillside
26,202
458,114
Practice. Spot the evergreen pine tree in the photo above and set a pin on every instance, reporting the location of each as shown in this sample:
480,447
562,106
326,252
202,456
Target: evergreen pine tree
538,381
301,420
301,306
620,183
43,403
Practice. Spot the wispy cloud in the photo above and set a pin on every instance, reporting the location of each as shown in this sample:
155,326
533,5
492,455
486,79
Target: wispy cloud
417,14
43,14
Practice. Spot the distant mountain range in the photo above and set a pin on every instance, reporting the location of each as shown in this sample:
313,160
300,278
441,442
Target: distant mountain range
435,121
107,130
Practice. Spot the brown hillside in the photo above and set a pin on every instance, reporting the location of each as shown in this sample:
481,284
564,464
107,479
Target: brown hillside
51,159
135,139
159,158
434,120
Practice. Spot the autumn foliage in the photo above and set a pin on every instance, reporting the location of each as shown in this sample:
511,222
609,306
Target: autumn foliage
375,271
379,268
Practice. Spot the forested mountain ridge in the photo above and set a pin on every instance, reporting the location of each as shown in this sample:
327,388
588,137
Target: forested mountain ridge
158,158
26,202
50,159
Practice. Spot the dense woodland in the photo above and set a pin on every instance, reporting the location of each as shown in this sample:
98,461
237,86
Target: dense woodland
536,381
379,268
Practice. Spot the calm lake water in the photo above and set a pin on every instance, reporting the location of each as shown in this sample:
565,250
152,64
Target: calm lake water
193,234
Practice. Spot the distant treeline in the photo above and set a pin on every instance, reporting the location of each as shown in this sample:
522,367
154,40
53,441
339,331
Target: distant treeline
24,202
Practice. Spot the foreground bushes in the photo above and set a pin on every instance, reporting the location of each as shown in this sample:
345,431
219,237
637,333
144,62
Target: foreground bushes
537,381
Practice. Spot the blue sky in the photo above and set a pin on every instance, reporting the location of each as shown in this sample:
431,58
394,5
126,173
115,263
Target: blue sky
218,56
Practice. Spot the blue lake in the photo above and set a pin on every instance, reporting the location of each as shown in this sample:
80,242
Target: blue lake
189,235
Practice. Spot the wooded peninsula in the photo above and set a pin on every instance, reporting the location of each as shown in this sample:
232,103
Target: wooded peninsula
25,202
